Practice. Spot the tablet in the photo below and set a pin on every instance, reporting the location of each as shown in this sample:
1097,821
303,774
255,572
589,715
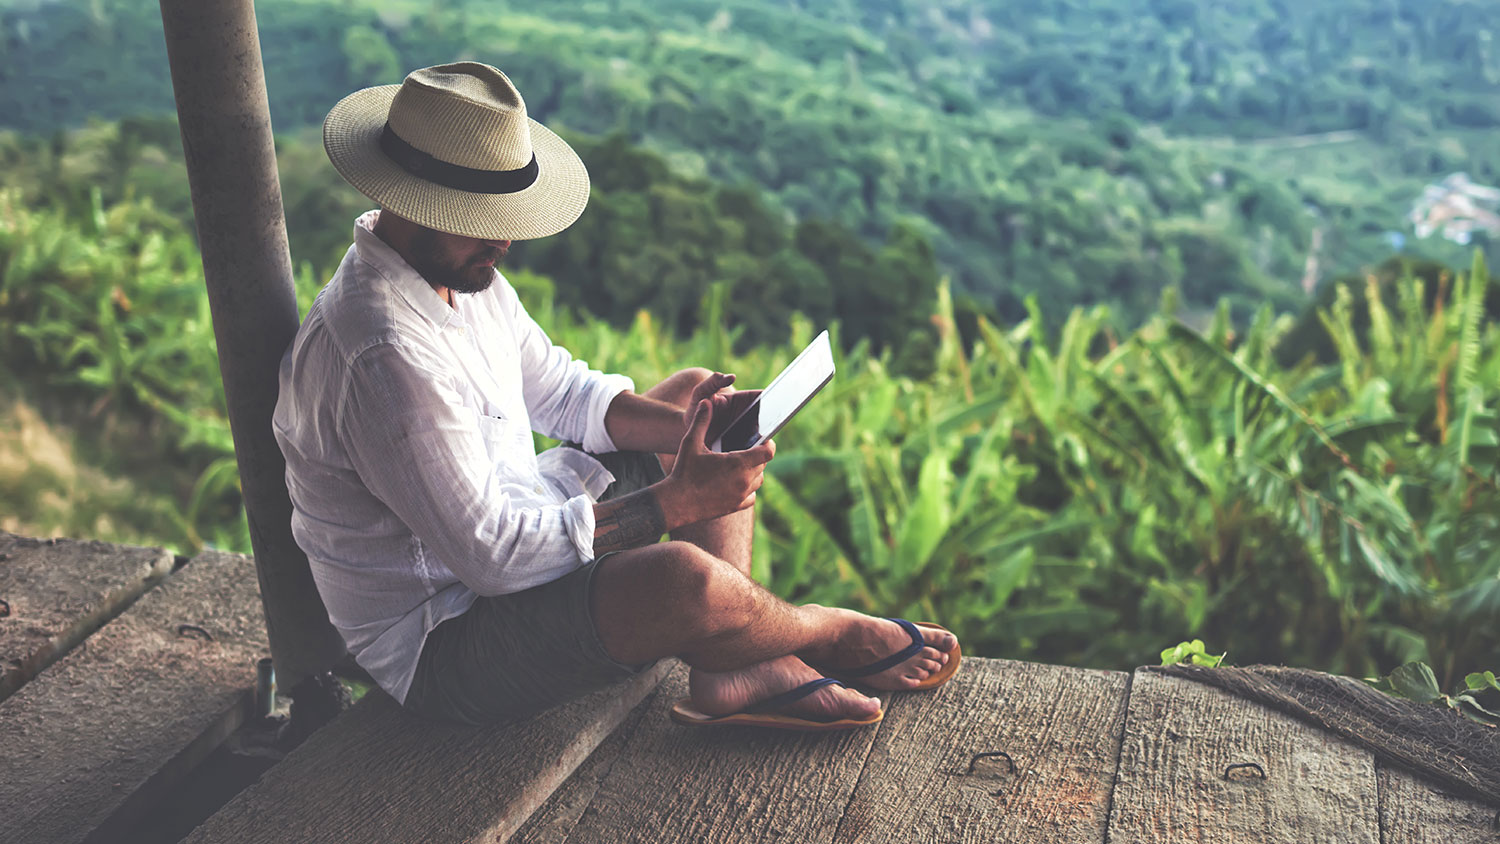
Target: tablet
779,402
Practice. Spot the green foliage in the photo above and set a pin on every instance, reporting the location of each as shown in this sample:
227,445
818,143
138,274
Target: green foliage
1310,335
1051,490
111,316
1076,497
372,59
47,489
1194,652
1082,153
1415,681
652,238
656,240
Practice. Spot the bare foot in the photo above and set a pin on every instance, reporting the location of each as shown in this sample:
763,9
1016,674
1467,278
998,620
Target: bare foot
866,640
724,693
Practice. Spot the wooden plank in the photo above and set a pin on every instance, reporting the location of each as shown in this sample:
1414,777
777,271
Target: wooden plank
673,783
381,774
555,819
1181,736
110,729
1378,722
1060,726
1412,811
58,591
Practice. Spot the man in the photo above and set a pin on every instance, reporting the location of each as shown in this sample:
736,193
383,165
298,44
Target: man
472,578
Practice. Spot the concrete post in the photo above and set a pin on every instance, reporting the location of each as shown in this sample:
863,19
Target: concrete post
214,51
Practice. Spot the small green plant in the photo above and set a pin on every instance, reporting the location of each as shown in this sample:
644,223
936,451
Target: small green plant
1416,681
1195,652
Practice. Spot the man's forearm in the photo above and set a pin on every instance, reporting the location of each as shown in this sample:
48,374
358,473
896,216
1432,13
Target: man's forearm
640,423
702,485
630,521
640,518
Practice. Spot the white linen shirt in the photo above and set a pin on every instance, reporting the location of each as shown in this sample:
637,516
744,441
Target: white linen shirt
415,485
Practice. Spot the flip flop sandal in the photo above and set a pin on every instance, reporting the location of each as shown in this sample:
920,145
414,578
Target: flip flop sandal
762,714
942,676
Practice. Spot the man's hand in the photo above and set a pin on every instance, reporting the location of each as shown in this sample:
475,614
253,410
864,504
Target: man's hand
705,484
726,404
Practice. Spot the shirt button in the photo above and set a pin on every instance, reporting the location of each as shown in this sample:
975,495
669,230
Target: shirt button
538,489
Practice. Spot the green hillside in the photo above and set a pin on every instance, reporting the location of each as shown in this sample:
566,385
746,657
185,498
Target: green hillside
1081,152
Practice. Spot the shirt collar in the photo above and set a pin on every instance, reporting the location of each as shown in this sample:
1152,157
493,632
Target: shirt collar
389,263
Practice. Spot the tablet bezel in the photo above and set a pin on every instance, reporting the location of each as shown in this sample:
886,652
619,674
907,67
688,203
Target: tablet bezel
820,340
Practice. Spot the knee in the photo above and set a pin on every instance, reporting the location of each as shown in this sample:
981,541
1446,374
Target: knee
677,388
706,593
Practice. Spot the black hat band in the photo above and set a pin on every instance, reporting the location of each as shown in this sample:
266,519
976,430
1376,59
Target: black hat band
424,166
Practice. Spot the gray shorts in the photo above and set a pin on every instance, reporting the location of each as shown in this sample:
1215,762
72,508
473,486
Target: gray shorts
511,656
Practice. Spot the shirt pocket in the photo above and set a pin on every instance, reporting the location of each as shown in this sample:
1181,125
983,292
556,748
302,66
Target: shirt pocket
513,462
499,435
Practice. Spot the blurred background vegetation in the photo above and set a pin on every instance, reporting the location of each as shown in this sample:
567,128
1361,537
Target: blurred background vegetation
1138,343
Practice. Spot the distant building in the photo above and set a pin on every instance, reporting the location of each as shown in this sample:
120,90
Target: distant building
1458,208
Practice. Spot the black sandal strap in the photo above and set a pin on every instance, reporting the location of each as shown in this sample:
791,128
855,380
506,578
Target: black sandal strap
778,701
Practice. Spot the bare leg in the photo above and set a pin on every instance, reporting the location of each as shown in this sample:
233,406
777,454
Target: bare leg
727,537
694,599
730,538
744,643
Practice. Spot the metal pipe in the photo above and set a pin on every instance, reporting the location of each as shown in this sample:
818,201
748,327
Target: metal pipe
213,48
265,687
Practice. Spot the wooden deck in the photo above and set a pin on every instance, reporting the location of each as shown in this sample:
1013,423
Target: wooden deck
1008,751
1089,756
1098,757
101,736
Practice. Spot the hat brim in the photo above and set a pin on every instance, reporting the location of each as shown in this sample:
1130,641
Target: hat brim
351,136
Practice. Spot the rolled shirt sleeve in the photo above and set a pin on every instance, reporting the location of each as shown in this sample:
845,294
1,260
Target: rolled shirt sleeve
439,466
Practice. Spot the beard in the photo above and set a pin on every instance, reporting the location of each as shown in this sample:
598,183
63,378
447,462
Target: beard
438,268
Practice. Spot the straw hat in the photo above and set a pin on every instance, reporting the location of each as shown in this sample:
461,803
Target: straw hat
451,148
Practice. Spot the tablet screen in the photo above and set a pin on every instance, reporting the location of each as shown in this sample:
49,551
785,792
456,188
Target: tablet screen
786,395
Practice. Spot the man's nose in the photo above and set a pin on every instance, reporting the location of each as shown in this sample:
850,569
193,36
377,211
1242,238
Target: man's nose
499,244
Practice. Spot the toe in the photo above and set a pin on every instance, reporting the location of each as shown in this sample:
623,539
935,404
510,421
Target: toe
941,641
864,707
848,703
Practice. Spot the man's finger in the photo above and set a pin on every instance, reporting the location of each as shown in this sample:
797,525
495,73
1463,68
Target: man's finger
702,413
759,455
716,382
711,385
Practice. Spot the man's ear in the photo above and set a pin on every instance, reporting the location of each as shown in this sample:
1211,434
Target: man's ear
394,229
